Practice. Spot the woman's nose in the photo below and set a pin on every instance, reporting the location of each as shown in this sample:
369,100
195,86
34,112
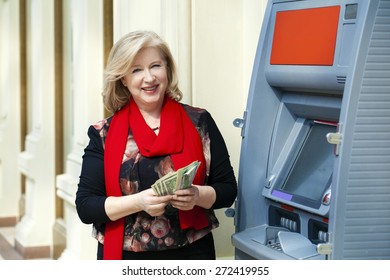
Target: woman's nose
149,77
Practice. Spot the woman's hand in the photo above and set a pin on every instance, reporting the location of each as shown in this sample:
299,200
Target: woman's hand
147,200
152,204
185,199
202,196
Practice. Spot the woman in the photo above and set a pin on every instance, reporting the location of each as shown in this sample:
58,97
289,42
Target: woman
149,135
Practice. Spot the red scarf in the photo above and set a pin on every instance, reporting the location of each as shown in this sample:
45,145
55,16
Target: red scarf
177,137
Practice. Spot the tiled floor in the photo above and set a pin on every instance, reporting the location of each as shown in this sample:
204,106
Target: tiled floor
7,244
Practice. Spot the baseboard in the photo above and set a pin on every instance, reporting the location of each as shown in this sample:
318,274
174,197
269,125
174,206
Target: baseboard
37,252
8,221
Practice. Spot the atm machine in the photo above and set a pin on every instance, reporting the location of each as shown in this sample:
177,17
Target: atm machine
314,174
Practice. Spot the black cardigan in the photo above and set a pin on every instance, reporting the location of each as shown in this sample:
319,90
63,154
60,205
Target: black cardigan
91,193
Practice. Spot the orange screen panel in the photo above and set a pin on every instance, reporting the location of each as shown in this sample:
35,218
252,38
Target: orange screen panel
305,37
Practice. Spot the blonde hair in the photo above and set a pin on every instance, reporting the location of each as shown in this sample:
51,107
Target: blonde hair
121,57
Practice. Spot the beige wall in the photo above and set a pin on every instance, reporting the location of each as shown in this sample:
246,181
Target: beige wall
224,41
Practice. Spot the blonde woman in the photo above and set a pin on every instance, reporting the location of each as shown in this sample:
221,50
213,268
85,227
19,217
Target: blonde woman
149,135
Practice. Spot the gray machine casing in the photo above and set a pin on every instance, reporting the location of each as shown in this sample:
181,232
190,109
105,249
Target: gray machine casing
352,96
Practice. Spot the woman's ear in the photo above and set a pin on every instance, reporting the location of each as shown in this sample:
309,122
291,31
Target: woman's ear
123,80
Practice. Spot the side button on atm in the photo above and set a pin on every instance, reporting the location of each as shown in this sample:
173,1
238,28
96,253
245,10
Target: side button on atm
326,198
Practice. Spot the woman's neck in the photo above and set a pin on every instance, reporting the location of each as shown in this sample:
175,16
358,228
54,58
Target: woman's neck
152,117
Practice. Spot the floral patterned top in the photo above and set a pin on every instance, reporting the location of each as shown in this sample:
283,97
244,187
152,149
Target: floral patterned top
142,231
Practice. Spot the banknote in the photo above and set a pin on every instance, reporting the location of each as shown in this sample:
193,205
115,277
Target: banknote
160,188
177,180
186,175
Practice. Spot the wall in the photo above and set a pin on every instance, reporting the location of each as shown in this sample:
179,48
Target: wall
224,41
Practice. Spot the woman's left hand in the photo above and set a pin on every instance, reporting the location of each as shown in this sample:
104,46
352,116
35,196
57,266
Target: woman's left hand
185,199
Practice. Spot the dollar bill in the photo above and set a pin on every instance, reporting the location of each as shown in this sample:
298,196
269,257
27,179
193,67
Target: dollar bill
173,181
160,188
169,184
186,175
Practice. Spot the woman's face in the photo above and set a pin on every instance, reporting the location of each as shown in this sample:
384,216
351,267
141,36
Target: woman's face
147,79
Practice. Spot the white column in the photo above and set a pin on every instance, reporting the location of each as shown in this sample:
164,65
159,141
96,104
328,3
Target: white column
130,15
84,69
10,188
34,232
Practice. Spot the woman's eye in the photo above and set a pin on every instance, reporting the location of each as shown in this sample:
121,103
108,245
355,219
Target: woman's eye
156,65
135,70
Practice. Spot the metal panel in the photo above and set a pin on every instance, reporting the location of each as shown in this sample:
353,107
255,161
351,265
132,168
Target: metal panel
360,218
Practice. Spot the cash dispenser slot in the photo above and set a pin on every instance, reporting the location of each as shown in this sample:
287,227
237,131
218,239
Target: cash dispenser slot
318,231
282,218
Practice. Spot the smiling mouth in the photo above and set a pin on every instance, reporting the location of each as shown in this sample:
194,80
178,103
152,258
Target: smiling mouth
153,88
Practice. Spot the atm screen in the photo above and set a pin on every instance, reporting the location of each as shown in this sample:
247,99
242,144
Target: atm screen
311,172
305,37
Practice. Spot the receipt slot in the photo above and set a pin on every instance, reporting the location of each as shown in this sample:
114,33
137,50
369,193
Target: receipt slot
314,175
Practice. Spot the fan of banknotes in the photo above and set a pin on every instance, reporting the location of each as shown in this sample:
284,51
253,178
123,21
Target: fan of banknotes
177,180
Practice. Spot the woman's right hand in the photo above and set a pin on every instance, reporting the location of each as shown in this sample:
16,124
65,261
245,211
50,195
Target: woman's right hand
147,200
151,203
